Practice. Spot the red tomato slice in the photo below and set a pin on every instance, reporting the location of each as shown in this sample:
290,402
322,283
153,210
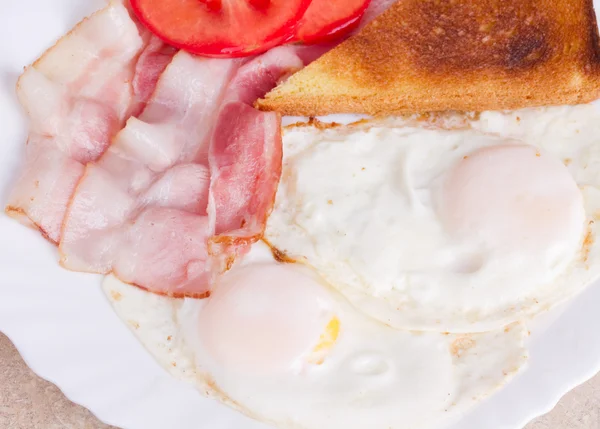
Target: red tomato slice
325,20
221,28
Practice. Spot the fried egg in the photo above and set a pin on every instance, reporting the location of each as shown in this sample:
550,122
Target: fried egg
277,343
457,230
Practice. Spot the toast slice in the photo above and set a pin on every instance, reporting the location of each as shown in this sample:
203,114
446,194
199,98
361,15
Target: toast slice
465,55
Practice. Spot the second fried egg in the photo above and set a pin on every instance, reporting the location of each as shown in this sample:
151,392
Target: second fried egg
446,230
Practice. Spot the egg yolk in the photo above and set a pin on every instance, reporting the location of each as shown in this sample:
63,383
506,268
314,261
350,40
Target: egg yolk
264,317
512,196
326,342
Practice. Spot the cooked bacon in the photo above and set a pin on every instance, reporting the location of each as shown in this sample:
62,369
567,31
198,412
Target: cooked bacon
157,167
242,192
77,95
162,249
144,203
165,251
245,164
79,91
260,75
153,61
184,187
180,171
44,187
175,126
94,222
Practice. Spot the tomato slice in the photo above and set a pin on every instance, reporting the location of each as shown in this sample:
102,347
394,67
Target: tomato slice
221,28
326,20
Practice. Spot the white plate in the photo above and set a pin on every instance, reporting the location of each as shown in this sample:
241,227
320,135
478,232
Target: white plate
67,332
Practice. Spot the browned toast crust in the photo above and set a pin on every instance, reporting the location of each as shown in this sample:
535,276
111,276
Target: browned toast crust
469,55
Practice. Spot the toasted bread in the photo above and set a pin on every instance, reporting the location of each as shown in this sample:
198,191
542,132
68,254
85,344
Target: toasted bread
465,55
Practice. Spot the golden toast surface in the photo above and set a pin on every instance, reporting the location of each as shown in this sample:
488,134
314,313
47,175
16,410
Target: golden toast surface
465,55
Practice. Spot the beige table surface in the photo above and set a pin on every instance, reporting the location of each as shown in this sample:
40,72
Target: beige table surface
28,402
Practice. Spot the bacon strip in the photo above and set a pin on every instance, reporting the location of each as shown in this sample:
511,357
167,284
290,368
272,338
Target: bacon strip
242,192
145,162
77,95
94,222
46,184
175,126
150,205
153,61
260,75
155,232
165,251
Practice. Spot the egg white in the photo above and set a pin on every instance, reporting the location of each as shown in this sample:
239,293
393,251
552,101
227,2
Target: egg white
357,203
373,376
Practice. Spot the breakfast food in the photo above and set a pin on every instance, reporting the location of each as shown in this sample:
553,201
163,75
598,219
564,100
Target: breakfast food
164,172
76,100
378,274
276,343
149,157
431,55
456,230
239,28
327,19
221,28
